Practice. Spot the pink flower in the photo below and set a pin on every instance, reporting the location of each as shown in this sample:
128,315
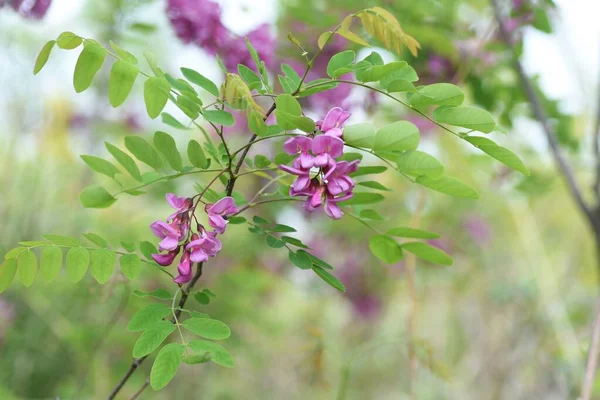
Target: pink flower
331,205
166,259
217,211
203,246
170,236
181,204
303,180
326,148
333,121
184,269
301,145
338,181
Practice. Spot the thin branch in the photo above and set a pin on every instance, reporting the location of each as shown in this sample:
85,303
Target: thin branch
138,361
542,118
140,390
596,146
592,362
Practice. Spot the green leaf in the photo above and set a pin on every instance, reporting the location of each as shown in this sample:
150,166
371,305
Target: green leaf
339,60
236,220
363,198
100,165
166,145
360,135
121,80
256,124
371,215
442,94
148,249
166,365
43,56
62,240
373,185
273,242
102,264
125,160
428,253
151,60
466,117
500,153
207,328
288,104
68,41
200,80
328,278
156,95
14,253
148,317
130,265
8,270
407,73
448,185
189,106
161,294
378,72
143,151
78,259
50,263
320,263
202,298
151,339
89,62
261,161
130,247
294,242
385,248
399,136
27,263
288,121
125,55
217,353
300,259
412,233
418,163
171,121
250,77
95,196
196,155
401,85
219,117
368,170
323,39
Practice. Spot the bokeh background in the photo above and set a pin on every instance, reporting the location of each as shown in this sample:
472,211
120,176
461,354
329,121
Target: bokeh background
509,320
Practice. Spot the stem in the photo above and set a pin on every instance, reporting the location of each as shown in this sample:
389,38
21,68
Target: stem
138,361
140,390
251,205
411,267
592,362
166,177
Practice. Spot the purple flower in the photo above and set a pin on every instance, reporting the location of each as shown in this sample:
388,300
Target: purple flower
167,258
29,9
216,213
333,122
478,228
181,204
303,180
203,246
300,145
184,269
170,235
326,148
235,51
338,181
332,209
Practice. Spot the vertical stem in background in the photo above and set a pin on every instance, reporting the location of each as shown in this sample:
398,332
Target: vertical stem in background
411,281
592,362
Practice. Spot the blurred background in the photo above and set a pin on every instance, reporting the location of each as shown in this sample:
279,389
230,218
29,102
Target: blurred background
510,319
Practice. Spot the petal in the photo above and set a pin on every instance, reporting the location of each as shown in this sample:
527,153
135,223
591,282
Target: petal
290,146
306,160
164,259
341,198
333,210
217,222
198,256
168,243
301,183
336,132
221,206
331,119
291,170
322,160
175,202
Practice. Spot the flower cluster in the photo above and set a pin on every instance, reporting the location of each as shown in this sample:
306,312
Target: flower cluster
29,9
199,22
322,179
176,234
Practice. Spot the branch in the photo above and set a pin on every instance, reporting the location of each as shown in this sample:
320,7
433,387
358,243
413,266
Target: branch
138,361
596,145
540,115
592,362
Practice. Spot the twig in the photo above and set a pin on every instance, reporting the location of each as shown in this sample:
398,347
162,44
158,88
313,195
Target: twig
592,362
541,117
140,390
138,361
